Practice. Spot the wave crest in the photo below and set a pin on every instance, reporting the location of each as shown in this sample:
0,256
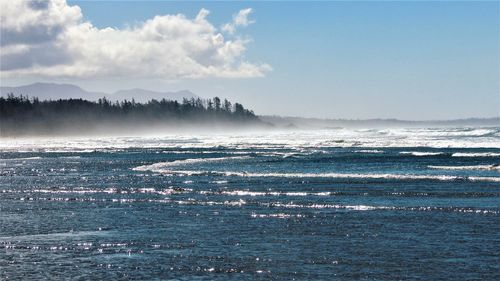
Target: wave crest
476,154
419,153
475,167
159,167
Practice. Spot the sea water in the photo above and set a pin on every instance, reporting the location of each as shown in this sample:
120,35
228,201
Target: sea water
334,204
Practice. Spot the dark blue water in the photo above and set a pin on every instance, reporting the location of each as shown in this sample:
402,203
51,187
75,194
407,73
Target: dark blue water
234,212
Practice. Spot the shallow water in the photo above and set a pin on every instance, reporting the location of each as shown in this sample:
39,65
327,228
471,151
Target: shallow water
322,205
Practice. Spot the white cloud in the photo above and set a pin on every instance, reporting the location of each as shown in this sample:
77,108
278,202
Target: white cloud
239,19
242,17
40,38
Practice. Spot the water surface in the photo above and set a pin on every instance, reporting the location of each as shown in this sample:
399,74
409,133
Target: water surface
319,205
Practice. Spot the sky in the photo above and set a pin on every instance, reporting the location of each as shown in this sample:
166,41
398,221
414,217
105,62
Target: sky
355,60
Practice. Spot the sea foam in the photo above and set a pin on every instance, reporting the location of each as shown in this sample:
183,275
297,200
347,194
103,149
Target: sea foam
159,167
474,167
418,153
477,154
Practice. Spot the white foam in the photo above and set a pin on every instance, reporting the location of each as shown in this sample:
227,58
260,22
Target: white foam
330,206
167,191
376,151
346,176
69,150
418,153
492,179
474,167
290,140
205,152
272,193
21,159
70,157
329,175
219,182
159,167
477,154
210,203
276,215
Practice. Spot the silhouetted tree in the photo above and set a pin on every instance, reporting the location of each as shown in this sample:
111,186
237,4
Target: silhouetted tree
217,103
20,113
227,105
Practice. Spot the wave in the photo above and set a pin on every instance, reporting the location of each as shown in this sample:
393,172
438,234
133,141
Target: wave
291,205
264,193
204,152
70,157
368,176
493,179
475,167
60,235
347,176
219,182
240,202
277,215
454,132
75,150
21,159
167,191
418,153
284,205
319,175
37,158
476,154
291,155
369,151
159,167
372,208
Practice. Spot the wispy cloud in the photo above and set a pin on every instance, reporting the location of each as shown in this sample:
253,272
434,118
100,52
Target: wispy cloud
239,19
51,38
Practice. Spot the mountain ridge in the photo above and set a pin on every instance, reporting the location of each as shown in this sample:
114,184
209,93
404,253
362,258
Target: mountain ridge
54,91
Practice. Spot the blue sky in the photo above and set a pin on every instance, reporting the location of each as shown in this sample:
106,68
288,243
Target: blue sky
406,60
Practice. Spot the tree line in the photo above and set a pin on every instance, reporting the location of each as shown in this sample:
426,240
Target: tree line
18,113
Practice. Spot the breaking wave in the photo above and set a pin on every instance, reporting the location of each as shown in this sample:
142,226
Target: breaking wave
156,169
364,176
418,153
21,159
474,167
159,167
266,193
376,151
477,154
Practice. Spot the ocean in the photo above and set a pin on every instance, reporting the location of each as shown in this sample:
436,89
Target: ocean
338,204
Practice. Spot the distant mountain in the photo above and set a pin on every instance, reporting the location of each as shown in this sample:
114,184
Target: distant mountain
46,91
51,91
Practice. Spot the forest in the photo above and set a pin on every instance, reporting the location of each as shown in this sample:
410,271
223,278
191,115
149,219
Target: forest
20,115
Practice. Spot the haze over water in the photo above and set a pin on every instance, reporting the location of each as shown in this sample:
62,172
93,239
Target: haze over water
341,204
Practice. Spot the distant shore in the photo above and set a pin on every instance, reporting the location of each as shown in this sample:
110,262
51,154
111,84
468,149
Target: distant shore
316,123
23,116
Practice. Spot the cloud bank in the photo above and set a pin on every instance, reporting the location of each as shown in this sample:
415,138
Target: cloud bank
52,39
